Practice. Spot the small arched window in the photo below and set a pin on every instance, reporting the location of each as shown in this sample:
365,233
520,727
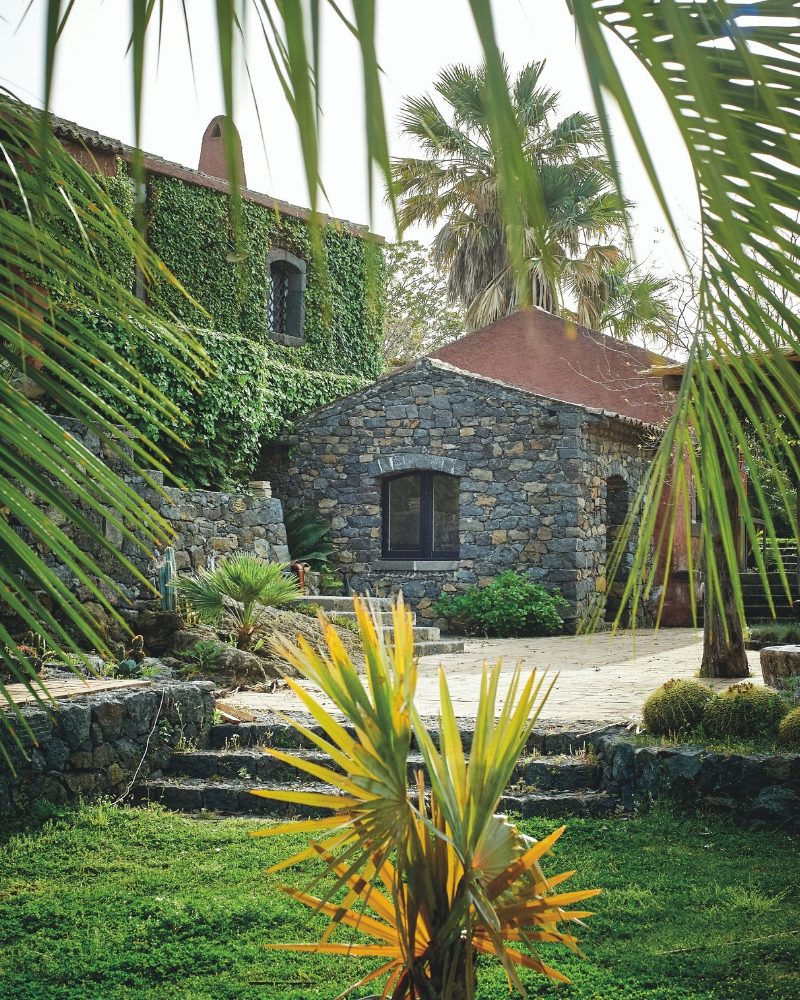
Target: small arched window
420,516
286,300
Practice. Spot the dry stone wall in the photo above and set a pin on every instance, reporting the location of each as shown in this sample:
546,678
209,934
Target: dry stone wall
532,474
206,524
95,744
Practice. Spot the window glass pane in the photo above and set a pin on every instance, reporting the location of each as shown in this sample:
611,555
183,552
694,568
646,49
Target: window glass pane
278,296
445,513
405,497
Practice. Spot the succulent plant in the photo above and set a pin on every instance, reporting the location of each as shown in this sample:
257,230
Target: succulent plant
744,710
789,730
676,707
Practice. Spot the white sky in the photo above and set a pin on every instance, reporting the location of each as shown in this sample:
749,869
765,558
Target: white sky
416,38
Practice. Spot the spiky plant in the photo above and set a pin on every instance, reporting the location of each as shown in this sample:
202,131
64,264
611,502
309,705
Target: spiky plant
235,593
307,536
434,874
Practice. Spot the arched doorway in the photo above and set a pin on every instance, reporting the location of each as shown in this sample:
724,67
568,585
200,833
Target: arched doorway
617,505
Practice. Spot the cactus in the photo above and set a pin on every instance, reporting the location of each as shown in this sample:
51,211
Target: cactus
167,576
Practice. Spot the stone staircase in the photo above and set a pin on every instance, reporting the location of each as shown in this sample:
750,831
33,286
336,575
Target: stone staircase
555,777
755,601
428,641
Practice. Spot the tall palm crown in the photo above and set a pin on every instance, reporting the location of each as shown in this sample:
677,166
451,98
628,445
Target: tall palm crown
458,180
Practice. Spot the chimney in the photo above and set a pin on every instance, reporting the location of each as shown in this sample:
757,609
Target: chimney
212,151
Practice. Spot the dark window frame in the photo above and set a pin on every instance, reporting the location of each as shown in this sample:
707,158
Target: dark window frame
426,550
293,271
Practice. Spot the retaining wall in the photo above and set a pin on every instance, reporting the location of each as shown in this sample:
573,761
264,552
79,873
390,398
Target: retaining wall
94,744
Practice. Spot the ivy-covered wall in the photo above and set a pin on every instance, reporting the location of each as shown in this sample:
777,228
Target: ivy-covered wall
112,259
189,228
256,387
251,395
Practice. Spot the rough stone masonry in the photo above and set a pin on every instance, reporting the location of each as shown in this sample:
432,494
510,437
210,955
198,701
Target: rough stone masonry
533,480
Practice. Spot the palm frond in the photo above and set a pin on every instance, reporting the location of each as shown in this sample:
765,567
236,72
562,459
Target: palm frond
55,222
729,76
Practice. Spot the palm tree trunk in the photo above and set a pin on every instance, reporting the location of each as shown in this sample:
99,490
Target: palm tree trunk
724,654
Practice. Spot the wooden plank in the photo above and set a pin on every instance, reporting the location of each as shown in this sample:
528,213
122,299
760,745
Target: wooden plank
20,694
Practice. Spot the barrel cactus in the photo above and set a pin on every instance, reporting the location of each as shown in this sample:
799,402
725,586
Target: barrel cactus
676,707
744,710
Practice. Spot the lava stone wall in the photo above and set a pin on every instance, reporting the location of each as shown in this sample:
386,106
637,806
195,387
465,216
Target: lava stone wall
94,744
206,524
532,480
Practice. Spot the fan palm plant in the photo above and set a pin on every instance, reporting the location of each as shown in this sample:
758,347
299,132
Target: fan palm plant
235,593
458,180
435,875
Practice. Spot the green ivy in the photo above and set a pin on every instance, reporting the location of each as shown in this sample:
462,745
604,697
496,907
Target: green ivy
112,259
189,228
251,396
258,387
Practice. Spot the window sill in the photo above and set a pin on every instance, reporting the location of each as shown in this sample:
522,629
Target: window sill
286,340
419,565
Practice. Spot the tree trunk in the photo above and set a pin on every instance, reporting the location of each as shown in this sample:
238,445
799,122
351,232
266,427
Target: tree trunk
724,654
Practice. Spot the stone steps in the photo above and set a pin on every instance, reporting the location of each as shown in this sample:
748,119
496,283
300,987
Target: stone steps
333,605
428,640
234,797
564,781
545,740
555,773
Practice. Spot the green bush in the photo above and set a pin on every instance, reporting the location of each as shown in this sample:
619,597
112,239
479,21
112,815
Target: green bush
308,536
676,707
789,729
744,710
510,605
775,633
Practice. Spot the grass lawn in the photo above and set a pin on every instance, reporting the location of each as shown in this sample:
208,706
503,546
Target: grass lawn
128,903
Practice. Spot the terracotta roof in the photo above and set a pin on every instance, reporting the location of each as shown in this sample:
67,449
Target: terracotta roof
548,356
72,132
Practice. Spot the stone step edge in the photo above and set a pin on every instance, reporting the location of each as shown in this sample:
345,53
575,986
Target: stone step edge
579,802
531,772
543,740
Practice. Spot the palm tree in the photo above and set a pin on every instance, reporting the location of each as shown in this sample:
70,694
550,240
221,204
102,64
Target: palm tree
458,179
613,295
235,593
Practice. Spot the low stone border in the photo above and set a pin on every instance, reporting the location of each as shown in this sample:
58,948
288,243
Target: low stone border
758,787
95,744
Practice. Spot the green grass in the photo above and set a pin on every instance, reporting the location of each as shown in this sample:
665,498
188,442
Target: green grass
768,745
129,903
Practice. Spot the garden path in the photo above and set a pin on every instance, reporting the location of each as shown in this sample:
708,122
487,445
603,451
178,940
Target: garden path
601,678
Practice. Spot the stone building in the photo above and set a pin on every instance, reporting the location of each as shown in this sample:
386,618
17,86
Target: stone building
438,476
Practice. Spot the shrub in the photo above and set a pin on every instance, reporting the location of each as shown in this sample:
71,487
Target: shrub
510,605
676,707
775,633
308,536
235,593
789,729
744,710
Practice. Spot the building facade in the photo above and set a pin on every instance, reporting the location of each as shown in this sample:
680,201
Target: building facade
434,479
